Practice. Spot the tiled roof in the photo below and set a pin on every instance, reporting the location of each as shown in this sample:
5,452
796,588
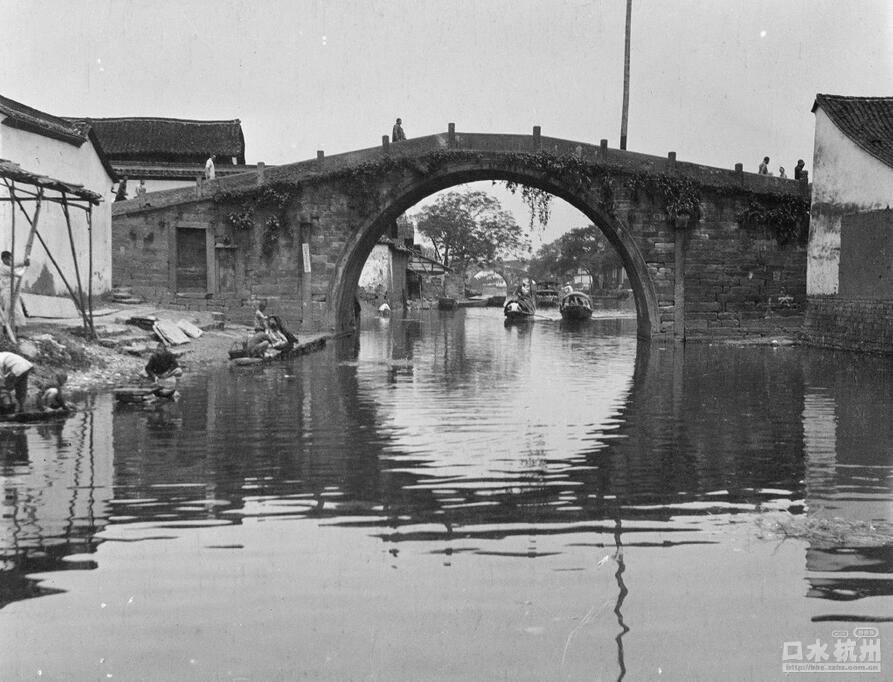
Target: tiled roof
169,138
74,132
867,121
33,120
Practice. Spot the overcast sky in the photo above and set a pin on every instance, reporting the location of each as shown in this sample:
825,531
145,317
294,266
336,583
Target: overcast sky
717,81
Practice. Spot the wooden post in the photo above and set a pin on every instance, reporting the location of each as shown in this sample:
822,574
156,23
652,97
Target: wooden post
49,253
537,142
90,268
12,261
18,285
385,143
306,276
74,258
625,113
451,134
10,332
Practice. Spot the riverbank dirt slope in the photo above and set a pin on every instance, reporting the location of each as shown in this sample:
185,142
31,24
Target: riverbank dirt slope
121,349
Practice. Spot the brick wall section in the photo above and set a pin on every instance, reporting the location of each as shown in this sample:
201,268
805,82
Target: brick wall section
738,280
849,324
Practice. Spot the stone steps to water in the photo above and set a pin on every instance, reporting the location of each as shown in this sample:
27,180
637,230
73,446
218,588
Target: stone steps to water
126,296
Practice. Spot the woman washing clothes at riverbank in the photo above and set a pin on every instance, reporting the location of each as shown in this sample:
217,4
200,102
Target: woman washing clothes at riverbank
274,339
159,380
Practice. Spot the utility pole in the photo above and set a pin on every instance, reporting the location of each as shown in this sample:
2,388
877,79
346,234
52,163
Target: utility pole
625,116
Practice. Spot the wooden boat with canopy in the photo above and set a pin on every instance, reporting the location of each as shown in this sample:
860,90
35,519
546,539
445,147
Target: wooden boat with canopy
575,305
521,306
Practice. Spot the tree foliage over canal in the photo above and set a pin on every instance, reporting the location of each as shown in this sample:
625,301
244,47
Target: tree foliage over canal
470,227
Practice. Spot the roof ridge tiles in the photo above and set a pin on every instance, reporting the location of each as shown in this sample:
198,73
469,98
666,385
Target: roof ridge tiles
866,121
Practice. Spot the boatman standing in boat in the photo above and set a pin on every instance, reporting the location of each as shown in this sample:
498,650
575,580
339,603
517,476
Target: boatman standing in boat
14,373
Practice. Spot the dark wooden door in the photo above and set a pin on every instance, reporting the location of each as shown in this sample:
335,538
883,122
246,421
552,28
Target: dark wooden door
226,271
192,260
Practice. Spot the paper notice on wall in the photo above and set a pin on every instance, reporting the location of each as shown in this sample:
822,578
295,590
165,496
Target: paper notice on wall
305,253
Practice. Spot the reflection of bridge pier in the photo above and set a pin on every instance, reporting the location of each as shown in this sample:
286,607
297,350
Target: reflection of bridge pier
670,439
846,442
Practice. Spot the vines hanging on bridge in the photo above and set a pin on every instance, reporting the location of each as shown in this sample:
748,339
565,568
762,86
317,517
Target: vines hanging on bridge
278,195
680,196
571,170
787,219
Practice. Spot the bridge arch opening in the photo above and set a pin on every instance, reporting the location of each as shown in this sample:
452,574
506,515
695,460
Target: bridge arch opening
487,283
408,193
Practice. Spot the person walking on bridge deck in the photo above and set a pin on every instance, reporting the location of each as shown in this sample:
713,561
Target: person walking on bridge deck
764,167
397,133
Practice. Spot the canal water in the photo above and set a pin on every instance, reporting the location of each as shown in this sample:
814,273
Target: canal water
451,498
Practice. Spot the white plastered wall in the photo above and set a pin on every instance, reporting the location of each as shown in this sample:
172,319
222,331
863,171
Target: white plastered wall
377,270
845,179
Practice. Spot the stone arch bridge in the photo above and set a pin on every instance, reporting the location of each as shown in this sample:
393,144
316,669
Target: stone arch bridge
707,250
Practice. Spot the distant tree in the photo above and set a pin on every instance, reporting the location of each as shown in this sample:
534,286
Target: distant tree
467,228
583,248
544,265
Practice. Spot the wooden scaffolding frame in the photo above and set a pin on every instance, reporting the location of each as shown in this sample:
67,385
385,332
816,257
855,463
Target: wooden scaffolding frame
40,189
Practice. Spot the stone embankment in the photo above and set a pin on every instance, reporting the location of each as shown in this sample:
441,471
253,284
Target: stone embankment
122,349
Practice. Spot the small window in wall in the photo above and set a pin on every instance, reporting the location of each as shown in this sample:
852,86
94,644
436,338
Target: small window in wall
192,260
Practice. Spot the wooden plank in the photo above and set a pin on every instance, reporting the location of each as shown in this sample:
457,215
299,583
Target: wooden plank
170,333
189,329
54,307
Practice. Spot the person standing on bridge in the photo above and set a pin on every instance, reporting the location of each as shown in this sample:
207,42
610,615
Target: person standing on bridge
397,132
210,171
764,167
121,193
798,169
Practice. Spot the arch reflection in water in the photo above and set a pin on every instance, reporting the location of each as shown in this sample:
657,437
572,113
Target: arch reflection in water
449,439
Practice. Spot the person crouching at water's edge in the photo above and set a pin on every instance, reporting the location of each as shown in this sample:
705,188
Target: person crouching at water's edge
14,373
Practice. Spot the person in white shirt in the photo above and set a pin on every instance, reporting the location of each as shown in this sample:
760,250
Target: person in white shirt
209,168
14,372
6,269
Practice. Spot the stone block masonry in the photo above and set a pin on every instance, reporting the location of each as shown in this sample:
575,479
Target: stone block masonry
849,324
739,281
